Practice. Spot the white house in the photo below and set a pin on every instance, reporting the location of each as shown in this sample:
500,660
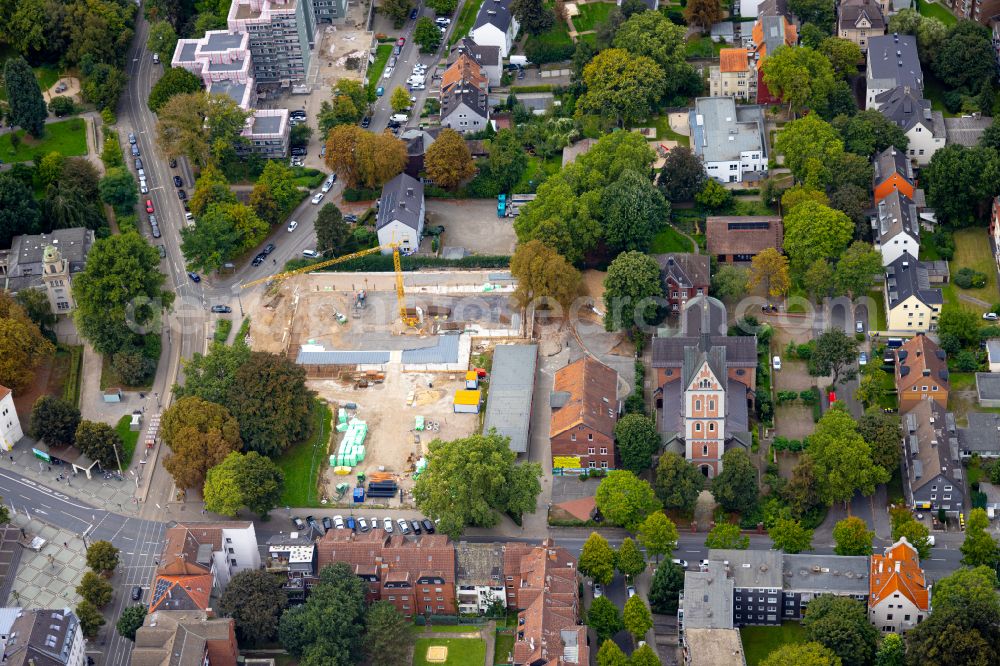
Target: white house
479,576
10,426
488,58
729,139
892,63
464,108
495,26
924,127
899,594
401,213
897,227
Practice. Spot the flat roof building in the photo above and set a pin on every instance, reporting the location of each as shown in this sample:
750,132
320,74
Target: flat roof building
729,139
512,385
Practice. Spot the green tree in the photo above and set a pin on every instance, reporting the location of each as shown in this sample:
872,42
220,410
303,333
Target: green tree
49,168
802,654
254,598
644,656
162,40
196,124
802,490
560,219
212,242
19,212
249,480
54,421
610,654
534,16
727,536
397,10
200,435
637,618
426,34
833,355
211,375
841,624
90,618
842,458
958,325
916,533
399,100
979,548
631,288
66,207
130,620
99,441
770,267
856,270
962,60
624,499
327,629
23,348
665,589
333,234
35,303
814,231
713,195
210,188
703,13
621,86
507,160
597,559
604,618
810,145
890,651
629,559
175,81
735,488
852,537
443,7
24,98
844,55
869,132
682,175
468,481
801,77
817,12
543,275
350,103
95,589
871,389
881,431
388,640
654,36
658,535
960,182
730,282
102,557
790,536
637,439
633,211
118,189
971,591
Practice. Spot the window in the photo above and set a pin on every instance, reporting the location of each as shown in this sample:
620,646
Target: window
697,427
697,405
711,405
572,437
906,617
590,450
704,450
947,489
604,464
604,450
590,436
233,562
889,616
711,427
592,464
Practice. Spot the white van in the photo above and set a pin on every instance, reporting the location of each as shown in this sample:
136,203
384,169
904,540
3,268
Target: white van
310,254
399,118
156,58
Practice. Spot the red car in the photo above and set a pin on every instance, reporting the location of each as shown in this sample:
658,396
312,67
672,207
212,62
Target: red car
149,206
400,41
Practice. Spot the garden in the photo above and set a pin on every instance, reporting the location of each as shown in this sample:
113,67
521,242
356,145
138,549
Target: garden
67,137
758,642
303,463
461,651
591,15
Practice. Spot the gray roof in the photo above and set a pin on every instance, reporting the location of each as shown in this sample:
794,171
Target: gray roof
686,269
737,426
402,199
723,29
234,89
850,13
891,161
907,277
897,214
774,8
234,66
836,574
188,50
336,357
988,385
773,29
993,349
444,351
495,12
704,314
222,41
893,61
512,384
708,598
751,568
479,564
982,435
41,637
722,130
461,93
26,252
991,491
905,107
487,55
741,351
266,124
967,130
931,441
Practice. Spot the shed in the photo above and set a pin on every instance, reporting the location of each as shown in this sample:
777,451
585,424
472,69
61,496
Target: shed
988,388
467,402
113,395
471,380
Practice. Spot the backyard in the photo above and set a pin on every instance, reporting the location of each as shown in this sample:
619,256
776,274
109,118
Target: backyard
758,642
461,651
935,10
703,47
68,137
303,463
669,240
591,15
972,250
465,21
502,648
536,172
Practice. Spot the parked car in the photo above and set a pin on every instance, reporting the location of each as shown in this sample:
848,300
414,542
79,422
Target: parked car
428,526
859,326
378,93
162,250
776,363
268,249
863,359
598,590
143,188
173,163
318,198
155,230
387,525
292,226
400,41
311,522
338,521
350,523
310,254
418,86
138,163
415,525
990,316
156,58
327,523
137,593
149,206
299,525
131,138
404,527
630,590
258,260
178,182
413,14
363,525
297,113
194,276
441,20
703,564
350,218
387,74
366,121
141,174
182,195
298,151
681,563
135,150
221,309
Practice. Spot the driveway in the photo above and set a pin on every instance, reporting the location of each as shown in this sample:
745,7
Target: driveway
471,224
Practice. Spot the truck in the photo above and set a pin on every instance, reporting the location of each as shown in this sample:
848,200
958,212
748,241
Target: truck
507,205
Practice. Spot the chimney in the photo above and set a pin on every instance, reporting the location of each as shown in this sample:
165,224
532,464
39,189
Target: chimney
402,204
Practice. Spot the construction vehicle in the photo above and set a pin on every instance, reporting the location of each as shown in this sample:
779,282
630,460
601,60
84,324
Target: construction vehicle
406,318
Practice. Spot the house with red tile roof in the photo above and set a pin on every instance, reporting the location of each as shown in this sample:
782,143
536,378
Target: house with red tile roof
185,638
584,413
899,594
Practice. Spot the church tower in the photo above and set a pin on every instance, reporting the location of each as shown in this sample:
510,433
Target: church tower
55,275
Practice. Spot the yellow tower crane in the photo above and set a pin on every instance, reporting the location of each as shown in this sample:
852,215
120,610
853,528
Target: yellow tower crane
396,265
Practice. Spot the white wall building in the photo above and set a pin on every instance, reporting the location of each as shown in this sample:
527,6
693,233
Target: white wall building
897,227
401,213
892,63
729,139
495,26
10,426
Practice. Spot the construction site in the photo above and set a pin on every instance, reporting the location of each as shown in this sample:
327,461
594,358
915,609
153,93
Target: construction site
395,382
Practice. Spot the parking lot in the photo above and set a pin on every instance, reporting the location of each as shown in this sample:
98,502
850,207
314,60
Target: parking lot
471,224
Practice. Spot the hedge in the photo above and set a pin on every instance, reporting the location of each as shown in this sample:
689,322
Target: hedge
360,194
383,263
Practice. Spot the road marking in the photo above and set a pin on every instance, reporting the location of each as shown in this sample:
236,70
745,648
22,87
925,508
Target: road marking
692,551
938,559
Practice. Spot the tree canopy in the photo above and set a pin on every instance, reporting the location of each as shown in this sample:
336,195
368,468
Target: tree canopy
597,559
634,210
23,347
960,182
631,290
249,480
810,145
841,624
625,500
327,629
200,434
254,598
620,85
842,458
362,158
814,231
24,98
682,175
637,440
735,488
801,77
678,482
852,537
543,275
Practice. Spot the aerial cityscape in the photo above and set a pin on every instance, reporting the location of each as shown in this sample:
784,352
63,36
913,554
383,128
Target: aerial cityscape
499,332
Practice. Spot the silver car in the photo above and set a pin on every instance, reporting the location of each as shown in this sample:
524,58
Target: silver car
387,525
404,527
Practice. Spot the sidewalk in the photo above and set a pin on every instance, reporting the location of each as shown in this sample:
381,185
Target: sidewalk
48,579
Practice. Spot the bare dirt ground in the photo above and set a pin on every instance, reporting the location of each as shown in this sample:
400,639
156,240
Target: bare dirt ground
337,43
72,89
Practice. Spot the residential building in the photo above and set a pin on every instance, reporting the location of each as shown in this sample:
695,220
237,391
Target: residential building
464,72
713,647
512,385
992,493
993,354
685,276
988,389
912,306
739,238
859,20
495,26
292,557
932,468
966,130
479,576
417,142
223,61
772,30
757,584
896,227
921,373
924,127
45,637
417,576
49,262
899,596
584,413
773,8
723,32
734,76
10,424
549,627
486,55
981,437
282,32
994,232
892,63
400,219
729,139
706,604
185,638
890,7
465,108
980,11
706,382
892,171
808,576
329,11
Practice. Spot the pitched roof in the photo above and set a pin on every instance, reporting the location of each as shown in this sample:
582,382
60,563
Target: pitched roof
494,12
402,199
966,130
907,277
907,108
4,391
893,61
918,359
889,162
485,54
181,585
592,400
686,269
182,638
851,13
475,99
774,8
734,60
770,32
479,563
896,214
431,554
931,447
898,570
982,435
40,637
465,71
742,234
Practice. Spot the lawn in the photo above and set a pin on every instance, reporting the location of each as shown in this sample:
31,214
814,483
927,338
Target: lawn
461,651
972,250
557,37
382,53
935,10
758,642
536,173
503,647
110,378
703,47
934,90
47,75
303,462
465,21
669,240
455,628
68,137
66,373
663,131
591,15
879,304
222,329
129,438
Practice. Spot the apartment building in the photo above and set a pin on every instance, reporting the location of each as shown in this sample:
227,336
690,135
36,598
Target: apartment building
281,35
924,128
921,373
685,276
584,414
185,638
911,304
900,595
10,424
808,576
729,139
329,11
292,557
734,76
892,171
772,30
892,63
897,227
480,577
933,479
860,20
44,637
